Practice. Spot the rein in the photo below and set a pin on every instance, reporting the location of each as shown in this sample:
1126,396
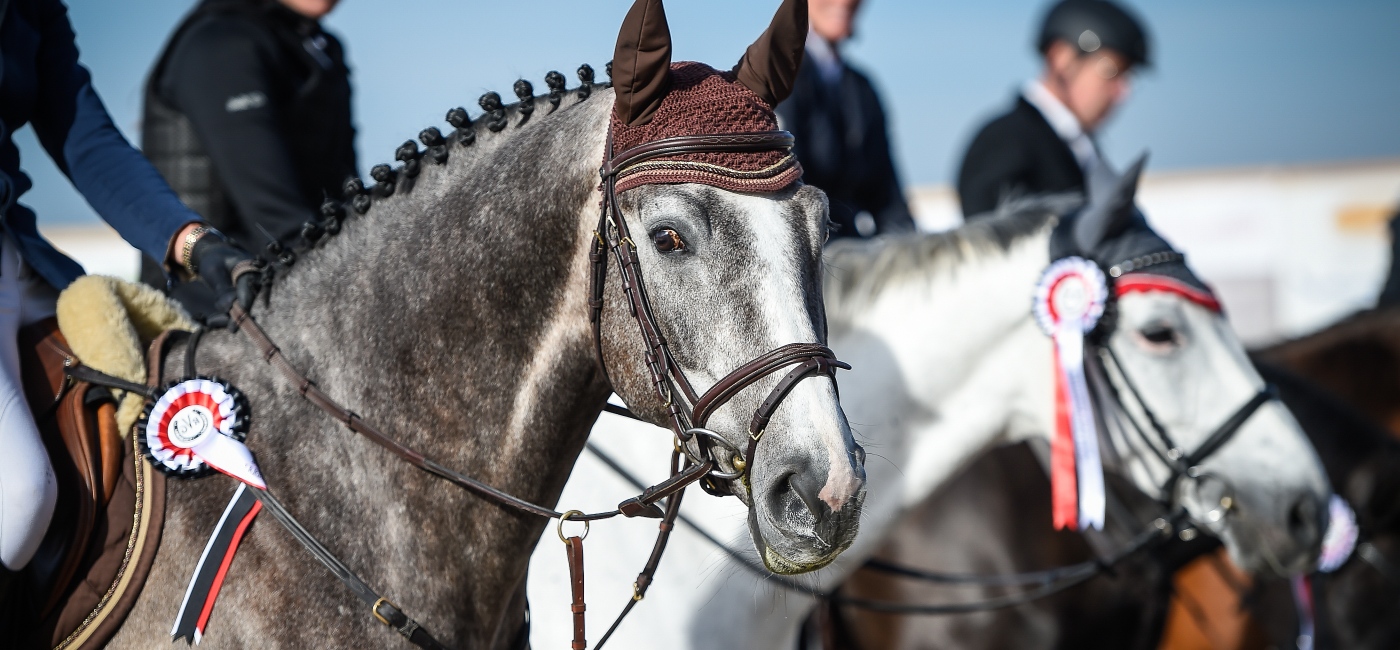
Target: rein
1050,581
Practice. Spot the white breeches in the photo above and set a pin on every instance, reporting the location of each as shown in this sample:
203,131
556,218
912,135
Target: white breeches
27,486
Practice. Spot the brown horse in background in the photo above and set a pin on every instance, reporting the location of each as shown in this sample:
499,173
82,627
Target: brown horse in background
1357,360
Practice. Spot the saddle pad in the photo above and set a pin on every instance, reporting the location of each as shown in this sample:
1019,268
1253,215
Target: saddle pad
114,568
99,550
109,322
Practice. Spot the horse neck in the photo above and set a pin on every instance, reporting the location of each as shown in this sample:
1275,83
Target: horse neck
952,362
472,283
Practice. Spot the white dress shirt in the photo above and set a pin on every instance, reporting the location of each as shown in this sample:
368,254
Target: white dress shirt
1062,120
823,54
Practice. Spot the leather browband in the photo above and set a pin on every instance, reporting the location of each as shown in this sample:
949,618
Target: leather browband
717,143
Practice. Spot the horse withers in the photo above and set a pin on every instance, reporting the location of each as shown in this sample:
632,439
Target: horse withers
453,310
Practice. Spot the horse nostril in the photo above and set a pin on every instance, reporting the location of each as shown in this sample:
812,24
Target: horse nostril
1305,521
806,489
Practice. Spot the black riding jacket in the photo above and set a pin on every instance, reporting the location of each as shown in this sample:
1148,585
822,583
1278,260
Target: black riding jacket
844,149
247,114
1016,154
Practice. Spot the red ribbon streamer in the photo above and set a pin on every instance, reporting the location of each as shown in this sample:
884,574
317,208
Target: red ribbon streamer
1064,483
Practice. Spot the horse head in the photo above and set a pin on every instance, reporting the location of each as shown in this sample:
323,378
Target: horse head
729,242
1189,418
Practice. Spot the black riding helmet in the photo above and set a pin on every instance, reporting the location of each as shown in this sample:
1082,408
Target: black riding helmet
1094,24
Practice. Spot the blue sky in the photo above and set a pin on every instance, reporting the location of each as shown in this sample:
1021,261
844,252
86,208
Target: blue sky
1237,82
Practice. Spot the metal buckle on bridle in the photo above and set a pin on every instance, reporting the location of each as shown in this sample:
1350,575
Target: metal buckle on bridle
565,517
736,457
375,610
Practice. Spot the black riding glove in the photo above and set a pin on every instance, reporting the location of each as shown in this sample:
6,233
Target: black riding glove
214,260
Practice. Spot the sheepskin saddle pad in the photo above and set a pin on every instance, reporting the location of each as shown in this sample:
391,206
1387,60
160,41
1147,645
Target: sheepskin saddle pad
107,523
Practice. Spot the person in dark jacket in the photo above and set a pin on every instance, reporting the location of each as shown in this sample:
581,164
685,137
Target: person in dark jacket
1390,291
43,84
842,139
1046,142
247,114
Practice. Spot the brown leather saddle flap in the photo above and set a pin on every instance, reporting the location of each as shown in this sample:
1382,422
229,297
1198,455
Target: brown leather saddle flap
111,504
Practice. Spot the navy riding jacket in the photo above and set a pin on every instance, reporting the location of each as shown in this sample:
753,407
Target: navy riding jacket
42,83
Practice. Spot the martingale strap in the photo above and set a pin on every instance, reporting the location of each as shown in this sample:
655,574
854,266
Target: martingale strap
384,611
272,355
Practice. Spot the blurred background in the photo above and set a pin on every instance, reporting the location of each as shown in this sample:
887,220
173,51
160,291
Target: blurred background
1272,125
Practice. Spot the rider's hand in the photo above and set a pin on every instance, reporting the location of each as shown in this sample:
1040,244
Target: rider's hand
213,259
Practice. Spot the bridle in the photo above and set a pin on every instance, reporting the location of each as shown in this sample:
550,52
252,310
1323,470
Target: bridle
1178,462
687,411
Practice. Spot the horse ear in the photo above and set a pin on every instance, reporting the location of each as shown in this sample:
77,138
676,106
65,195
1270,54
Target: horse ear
641,69
1110,206
769,67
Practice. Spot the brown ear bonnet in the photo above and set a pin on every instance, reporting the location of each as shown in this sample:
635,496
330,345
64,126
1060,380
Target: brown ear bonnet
657,99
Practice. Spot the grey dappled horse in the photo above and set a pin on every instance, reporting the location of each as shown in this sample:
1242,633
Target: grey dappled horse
453,312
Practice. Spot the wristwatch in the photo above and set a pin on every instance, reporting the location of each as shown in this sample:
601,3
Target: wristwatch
188,248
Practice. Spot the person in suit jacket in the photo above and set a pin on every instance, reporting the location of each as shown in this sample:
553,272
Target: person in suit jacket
1390,291
842,139
1046,142
43,84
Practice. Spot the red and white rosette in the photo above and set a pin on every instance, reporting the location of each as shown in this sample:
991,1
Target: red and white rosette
1069,300
198,424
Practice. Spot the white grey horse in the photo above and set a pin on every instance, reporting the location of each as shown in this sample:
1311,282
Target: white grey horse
948,362
453,311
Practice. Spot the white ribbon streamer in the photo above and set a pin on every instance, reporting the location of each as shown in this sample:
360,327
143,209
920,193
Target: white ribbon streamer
230,457
1069,340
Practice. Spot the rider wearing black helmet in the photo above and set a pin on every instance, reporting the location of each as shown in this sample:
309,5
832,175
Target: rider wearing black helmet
1046,142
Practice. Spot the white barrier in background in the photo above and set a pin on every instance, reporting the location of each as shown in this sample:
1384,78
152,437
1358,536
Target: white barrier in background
1289,249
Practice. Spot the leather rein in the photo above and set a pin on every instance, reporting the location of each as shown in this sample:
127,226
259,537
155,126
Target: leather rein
694,460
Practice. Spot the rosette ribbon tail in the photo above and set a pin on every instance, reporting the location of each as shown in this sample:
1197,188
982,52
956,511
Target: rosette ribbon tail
1088,464
1063,485
232,458
1069,300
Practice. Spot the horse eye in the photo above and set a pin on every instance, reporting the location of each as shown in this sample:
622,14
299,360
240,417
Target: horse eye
667,241
1158,334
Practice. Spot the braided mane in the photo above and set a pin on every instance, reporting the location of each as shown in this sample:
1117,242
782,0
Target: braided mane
357,198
